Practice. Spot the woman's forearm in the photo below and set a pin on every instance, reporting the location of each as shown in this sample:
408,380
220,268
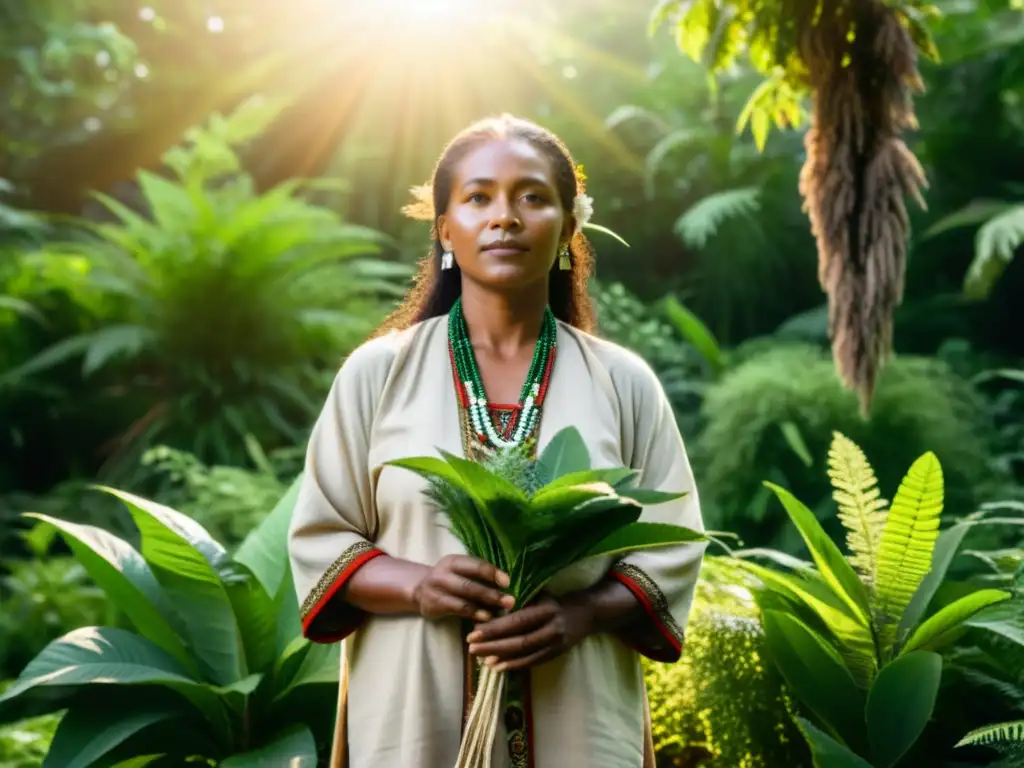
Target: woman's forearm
385,585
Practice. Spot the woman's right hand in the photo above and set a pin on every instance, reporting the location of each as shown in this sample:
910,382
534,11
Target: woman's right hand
464,586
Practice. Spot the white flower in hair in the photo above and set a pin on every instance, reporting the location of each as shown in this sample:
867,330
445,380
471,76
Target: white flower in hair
582,210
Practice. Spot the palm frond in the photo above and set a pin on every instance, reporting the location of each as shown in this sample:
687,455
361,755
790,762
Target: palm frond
704,219
996,242
862,511
997,735
906,545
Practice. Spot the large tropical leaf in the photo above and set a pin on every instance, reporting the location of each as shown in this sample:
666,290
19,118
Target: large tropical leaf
126,579
826,751
855,640
256,615
906,547
86,735
944,626
832,565
294,748
171,545
861,506
264,551
900,704
109,656
817,676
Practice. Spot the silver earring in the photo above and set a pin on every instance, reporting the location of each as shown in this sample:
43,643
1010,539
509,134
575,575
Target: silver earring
564,263
447,260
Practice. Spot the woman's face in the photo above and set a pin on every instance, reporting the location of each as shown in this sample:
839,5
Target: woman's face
505,221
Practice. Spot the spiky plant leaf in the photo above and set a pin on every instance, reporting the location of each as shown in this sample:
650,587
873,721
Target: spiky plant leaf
998,735
906,546
862,511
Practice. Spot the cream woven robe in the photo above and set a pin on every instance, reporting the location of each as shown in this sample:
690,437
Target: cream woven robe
406,677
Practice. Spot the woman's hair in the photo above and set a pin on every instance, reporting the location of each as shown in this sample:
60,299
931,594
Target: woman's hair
435,290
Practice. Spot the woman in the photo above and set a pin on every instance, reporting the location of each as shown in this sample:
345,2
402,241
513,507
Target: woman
468,363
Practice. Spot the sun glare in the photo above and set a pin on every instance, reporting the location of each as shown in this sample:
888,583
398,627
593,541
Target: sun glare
447,14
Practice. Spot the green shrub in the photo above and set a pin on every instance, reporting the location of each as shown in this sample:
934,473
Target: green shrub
221,312
216,666
722,705
772,416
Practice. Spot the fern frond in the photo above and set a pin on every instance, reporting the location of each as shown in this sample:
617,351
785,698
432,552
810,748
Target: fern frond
862,510
997,735
703,219
996,242
906,546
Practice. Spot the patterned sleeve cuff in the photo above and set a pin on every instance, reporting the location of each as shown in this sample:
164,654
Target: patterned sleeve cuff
662,639
327,622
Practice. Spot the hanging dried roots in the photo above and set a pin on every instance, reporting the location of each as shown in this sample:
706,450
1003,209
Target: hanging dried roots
857,175
482,723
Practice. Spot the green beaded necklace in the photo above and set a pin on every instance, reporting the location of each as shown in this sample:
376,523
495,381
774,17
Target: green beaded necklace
470,385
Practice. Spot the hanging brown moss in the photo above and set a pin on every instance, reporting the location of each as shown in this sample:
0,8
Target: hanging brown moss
862,65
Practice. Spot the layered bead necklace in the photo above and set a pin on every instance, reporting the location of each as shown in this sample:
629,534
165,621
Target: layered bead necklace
470,385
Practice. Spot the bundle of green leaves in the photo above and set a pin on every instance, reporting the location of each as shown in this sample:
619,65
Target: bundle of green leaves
532,518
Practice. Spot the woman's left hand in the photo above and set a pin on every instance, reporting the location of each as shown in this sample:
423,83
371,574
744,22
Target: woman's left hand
533,635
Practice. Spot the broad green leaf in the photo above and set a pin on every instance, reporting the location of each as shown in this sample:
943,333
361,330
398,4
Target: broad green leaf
294,748
855,640
946,547
943,627
1005,620
817,676
124,576
321,665
900,704
559,501
565,453
192,583
86,734
826,751
906,546
256,614
636,536
265,551
110,656
832,565
430,467
182,525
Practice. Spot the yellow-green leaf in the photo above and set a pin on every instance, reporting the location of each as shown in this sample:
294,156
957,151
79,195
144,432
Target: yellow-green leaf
947,622
907,544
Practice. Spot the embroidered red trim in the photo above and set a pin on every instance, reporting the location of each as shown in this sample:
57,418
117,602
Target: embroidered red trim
347,621
673,649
